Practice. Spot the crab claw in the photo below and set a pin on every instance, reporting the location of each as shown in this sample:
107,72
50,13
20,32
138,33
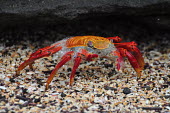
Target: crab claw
131,47
43,52
64,59
133,61
137,54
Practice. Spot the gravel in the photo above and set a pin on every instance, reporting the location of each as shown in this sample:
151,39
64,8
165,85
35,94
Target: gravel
98,86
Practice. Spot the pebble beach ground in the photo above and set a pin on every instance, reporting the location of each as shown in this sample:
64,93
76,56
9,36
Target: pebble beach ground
98,86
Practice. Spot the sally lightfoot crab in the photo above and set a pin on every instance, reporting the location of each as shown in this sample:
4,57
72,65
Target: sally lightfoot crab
87,48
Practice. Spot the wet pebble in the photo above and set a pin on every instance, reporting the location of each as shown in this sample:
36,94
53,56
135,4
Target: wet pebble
126,90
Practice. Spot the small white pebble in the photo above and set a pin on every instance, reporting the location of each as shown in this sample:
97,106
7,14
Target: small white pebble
167,107
21,102
2,87
161,81
147,101
2,111
167,91
6,79
39,105
109,92
30,72
2,75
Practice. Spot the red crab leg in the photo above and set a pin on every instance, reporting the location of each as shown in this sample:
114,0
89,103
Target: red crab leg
137,54
78,59
131,46
76,64
43,52
120,61
64,59
115,39
133,61
91,56
88,56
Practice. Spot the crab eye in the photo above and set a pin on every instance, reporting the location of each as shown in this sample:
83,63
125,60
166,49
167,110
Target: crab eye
111,40
90,44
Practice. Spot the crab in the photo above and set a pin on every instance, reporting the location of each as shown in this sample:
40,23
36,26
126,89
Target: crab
88,48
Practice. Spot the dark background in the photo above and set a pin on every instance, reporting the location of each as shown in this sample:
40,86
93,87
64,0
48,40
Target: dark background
142,21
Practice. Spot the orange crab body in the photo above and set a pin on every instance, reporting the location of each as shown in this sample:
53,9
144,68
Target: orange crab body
87,48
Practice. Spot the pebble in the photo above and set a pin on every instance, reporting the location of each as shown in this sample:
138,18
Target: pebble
126,90
2,87
63,94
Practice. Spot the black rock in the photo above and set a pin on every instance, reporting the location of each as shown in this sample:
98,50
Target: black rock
108,65
73,107
37,100
12,80
168,76
98,95
109,88
126,90
63,94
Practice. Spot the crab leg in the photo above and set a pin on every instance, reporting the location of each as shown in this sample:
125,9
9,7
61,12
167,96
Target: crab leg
43,52
64,59
137,54
120,61
133,61
115,39
76,64
131,46
77,61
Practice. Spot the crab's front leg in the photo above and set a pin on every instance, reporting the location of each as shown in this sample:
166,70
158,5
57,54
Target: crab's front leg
132,47
133,61
120,61
43,52
78,59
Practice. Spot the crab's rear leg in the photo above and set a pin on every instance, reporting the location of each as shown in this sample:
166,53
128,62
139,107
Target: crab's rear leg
43,52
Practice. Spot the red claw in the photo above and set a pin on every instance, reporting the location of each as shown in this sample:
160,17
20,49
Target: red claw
139,57
131,47
133,61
